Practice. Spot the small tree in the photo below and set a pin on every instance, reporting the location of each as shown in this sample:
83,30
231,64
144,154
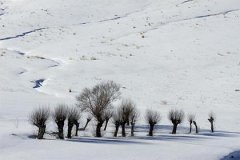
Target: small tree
191,118
212,119
116,122
39,118
73,118
108,114
152,117
125,109
133,118
59,115
195,124
97,101
176,117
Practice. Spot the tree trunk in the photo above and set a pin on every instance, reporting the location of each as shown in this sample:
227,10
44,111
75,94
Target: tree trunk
195,124
132,128
98,129
106,124
174,131
212,127
190,130
60,125
77,127
86,124
123,130
70,126
151,130
128,122
41,131
116,130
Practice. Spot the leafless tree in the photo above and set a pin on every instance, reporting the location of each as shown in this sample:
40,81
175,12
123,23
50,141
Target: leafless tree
89,118
108,114
125,109
116,121
39,118
212,119
73,119
196,127
152,117
59,115
191,118
133,118
97,101
176,117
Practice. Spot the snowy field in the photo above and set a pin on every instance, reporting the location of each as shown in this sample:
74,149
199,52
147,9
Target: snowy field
165,54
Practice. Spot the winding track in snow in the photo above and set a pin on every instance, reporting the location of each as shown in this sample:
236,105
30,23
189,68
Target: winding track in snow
116,17
21,34
37,82
180,20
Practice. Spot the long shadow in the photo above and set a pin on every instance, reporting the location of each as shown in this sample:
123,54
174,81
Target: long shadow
185,130
104,141
172,137
219,134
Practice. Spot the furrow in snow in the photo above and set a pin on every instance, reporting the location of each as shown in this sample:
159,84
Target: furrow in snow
181,20
21,35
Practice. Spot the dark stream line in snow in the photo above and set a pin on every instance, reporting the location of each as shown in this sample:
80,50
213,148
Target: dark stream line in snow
22,34
184,2
196,17
38,83
181,20
116,16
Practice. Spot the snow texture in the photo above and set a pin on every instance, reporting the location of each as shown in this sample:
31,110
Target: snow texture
166,54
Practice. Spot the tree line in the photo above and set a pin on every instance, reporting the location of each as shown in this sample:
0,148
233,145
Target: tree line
98,103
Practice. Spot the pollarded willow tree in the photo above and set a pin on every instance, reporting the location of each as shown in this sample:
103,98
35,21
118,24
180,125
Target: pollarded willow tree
60,114
39,118
133,119
176,117
212,119
191,118
152,117
125,110
97,101
73,119
116,121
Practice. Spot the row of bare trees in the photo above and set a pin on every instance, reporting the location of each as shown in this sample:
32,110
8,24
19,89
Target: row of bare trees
98,103
60,114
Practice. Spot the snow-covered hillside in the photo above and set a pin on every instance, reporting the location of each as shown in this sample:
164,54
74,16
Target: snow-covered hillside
165,54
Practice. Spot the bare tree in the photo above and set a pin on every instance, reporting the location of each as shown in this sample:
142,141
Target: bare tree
152,117
116,122
108,114
39,118
97,101
59,115
212,119
73,118
133,118
125,109
191,118
89,118
196,127
176,117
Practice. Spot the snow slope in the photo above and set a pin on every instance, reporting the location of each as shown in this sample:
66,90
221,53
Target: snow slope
165,54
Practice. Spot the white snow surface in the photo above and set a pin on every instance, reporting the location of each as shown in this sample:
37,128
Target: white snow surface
165,54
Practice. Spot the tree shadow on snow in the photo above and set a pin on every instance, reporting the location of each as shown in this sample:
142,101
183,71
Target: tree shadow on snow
104,140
